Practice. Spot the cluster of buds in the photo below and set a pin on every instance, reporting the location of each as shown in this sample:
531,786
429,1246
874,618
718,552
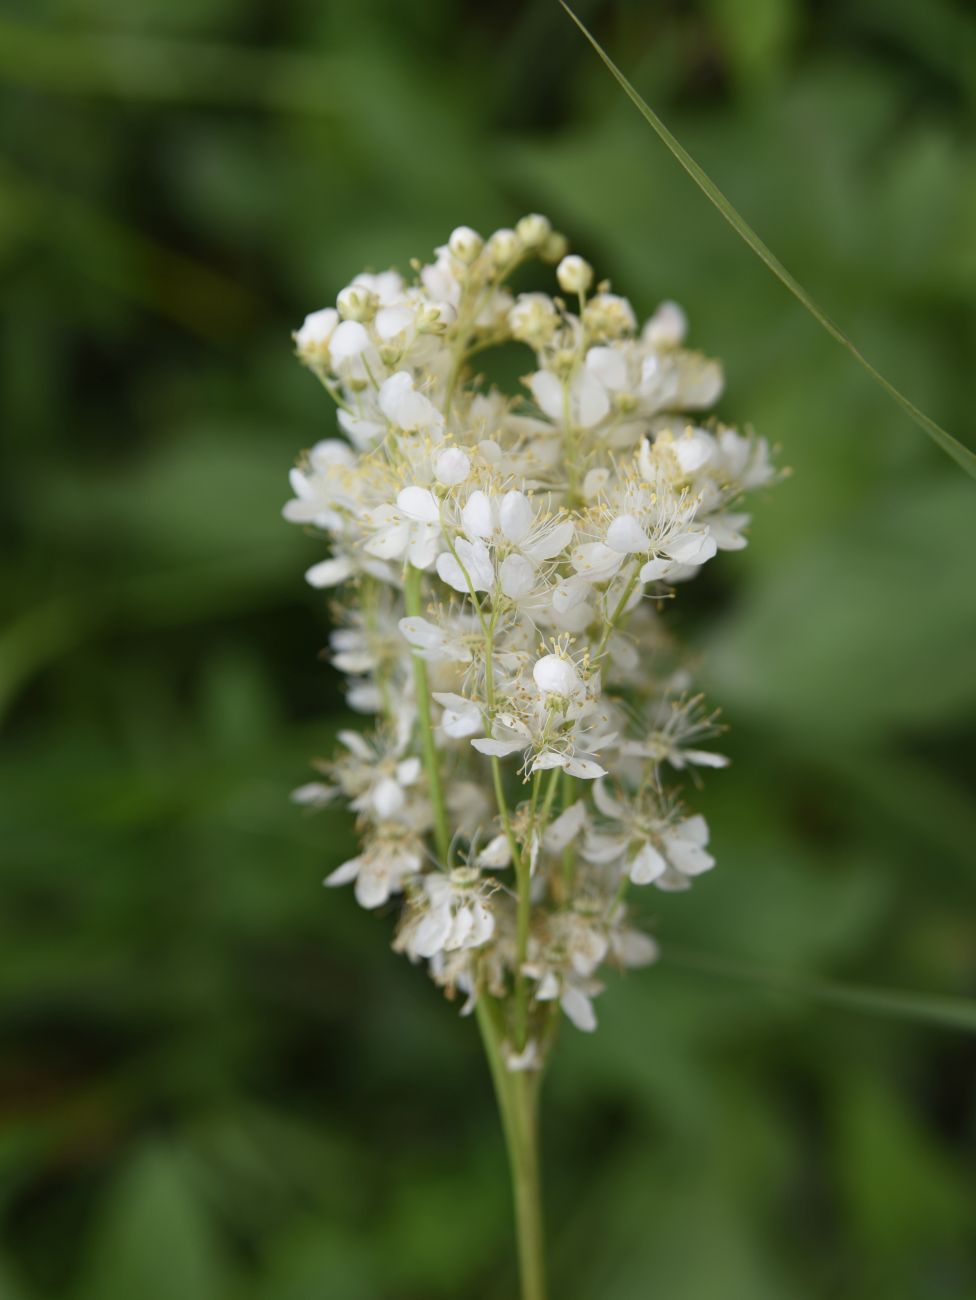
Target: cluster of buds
501,564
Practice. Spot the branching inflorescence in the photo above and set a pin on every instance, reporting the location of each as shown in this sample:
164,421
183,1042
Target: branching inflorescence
501,564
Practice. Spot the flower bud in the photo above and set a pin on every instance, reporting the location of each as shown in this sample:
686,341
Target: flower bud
357,303
555,675
555,248
533,230
503,247
574,274
465,244
452,467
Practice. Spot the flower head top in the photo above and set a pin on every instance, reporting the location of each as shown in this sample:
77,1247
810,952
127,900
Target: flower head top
491,558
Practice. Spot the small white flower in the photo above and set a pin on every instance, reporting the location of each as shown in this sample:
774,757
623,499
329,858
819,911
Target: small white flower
435,644
451,911
312,339
407,409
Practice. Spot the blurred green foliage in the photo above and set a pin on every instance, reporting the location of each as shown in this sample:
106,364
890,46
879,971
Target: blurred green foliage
218,1084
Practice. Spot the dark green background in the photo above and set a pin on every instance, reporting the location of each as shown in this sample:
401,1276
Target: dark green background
217,1082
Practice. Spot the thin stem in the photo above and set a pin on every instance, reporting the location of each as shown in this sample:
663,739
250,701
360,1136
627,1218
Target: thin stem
523,882
619,609
569,852
442,838
517,1094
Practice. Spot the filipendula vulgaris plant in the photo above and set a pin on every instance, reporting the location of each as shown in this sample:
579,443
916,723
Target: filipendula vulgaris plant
500,566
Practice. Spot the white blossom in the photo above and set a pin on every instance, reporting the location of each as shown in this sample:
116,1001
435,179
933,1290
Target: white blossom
528,720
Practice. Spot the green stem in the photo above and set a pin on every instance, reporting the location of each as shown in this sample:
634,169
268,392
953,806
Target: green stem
569,852
517,1094
619,609
442,838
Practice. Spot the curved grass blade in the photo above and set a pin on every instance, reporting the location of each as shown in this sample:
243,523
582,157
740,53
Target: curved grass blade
945,1012
950,445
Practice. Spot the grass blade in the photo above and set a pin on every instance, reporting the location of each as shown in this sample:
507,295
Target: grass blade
943,1011
950,445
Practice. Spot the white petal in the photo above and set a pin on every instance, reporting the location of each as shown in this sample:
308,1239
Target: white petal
579,1009
316,328
603,849
569,593
408,770
404,407
692,450
515,515
690,548
348,340
421,634
373,884
548,393
432,932
704,758
449,571
634,948
609,366
419,504
461,928
590,399
606,803
390,543
655,569
566,827
484,925
517,576
476,515
459,723
552,542
497,748
329,573
423,546
391,321
667,327
344,874
596,562
496,853
476,559
647,865
626,535
585,768
388,798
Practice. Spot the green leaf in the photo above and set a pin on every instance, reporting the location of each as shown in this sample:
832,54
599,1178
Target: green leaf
950,445
155,1240
944,1011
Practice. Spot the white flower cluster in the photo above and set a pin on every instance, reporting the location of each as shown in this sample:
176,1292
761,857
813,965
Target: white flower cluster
494,555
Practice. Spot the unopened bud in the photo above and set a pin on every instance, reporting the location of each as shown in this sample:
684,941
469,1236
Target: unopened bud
555,248
465,244
503,247
533,230
574,274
